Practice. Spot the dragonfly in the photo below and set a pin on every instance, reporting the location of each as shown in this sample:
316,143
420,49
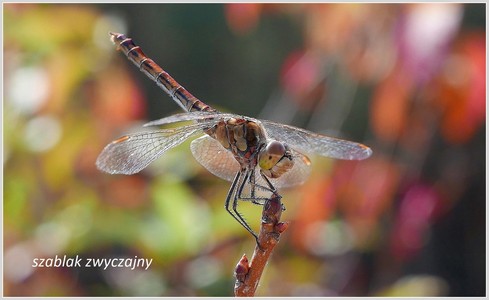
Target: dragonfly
257,156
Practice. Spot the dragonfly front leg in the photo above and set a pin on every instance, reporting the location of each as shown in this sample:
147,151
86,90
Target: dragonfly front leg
270,188
251,179
273,190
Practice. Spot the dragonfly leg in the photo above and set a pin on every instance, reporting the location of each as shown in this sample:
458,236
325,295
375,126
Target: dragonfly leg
270,187
250,178
238,183
273,190
253,185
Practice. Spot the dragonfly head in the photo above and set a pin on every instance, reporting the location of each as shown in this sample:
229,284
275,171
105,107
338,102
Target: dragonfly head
275,159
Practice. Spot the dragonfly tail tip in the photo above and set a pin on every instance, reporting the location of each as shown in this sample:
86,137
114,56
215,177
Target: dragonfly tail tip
114,36
367,152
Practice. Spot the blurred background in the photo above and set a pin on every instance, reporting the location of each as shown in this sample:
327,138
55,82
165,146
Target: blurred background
408,80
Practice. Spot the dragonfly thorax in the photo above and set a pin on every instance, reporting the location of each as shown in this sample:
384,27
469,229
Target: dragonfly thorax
242,137
247,141
275,159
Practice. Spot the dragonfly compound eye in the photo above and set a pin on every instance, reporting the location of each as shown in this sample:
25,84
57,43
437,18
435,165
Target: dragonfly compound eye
275,159
270,155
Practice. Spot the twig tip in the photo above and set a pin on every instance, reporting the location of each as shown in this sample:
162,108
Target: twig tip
242,269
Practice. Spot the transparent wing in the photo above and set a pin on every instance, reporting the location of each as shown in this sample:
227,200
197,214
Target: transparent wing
310,142
132,153
214,157
203,116
189,116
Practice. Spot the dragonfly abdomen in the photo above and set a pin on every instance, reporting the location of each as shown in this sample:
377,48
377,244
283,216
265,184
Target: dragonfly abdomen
177,92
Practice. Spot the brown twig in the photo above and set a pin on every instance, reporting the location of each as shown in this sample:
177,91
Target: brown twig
247,273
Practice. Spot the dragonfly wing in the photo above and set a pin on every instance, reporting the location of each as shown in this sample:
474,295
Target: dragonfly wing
189,116
132,153
310,142
214,157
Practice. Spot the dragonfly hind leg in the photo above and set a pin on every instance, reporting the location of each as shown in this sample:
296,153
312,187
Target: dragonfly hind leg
232,194
235,194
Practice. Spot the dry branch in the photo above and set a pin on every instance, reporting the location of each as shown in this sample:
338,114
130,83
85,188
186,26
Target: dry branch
248,273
